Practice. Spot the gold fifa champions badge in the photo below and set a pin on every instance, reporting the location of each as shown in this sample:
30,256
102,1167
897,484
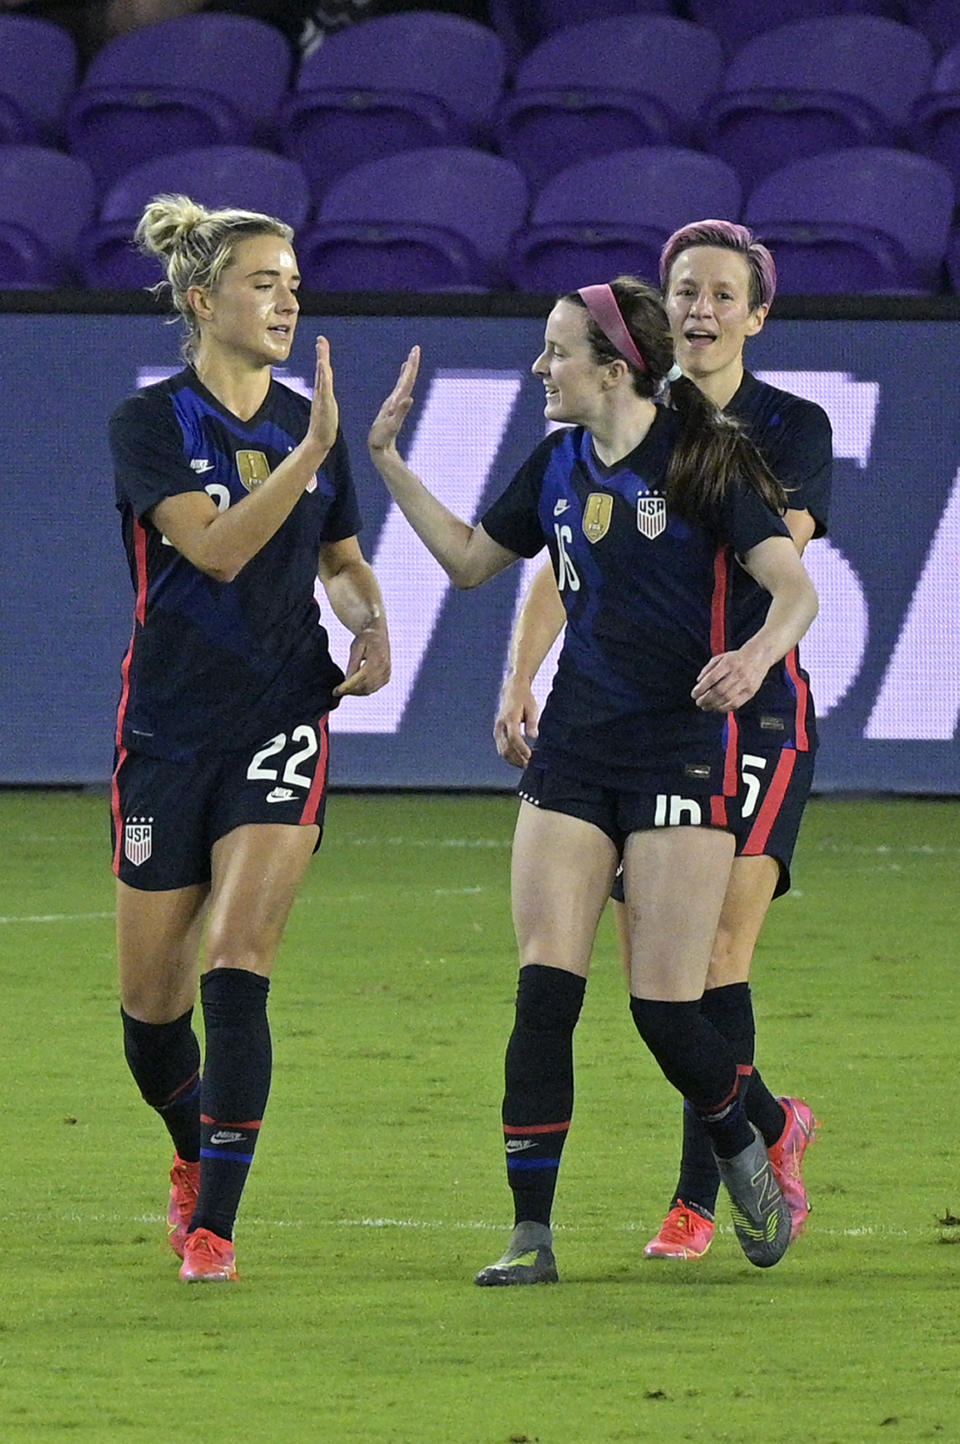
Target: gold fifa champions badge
651,516
596,515
253,468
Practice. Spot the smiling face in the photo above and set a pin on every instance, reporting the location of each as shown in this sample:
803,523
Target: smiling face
252,312
708,302
573,380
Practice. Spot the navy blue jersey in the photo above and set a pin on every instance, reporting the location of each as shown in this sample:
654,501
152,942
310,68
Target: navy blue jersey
647,596
794,437
219,665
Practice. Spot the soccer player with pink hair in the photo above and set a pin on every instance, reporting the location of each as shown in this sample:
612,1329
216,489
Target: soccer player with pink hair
718,284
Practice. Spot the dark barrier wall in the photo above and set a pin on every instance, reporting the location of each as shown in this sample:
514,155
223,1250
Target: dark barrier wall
883,654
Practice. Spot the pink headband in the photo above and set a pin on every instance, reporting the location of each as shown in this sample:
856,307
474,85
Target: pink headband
602,305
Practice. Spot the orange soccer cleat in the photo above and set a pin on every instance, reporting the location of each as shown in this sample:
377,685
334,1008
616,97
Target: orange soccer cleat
184,1187
208,1259
684,1233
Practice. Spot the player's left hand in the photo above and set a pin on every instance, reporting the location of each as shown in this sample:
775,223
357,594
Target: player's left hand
389,419
368,667
726,682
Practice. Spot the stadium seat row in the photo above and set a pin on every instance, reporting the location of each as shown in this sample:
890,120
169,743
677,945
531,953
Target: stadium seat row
406,81
867,219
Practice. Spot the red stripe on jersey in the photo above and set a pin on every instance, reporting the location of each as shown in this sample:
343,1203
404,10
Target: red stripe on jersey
718,811
315,796
718,644
512,1131
731,757
759,834
803,699
222,1122
139,617
718,602
115,809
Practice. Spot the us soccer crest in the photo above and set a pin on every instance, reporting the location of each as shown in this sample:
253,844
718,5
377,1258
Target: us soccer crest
138,839
253,468
596,515
651,516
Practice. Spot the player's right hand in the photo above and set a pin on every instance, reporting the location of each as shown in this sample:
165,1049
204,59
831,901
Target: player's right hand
516,721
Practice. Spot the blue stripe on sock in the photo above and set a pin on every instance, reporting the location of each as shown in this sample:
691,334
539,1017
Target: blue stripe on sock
533,1162
230,1157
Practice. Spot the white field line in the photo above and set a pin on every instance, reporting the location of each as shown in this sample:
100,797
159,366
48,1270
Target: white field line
436,1225
883,850
56,917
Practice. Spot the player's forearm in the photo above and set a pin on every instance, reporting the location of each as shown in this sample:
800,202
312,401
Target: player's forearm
539,623
236,535
792,609
445,535
356,599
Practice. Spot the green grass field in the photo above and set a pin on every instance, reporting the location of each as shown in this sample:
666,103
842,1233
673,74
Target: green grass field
378,1188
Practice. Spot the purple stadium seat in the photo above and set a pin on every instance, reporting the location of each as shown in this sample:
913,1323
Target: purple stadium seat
38,71
611,215
522,24
434,219
860,220
736,22
218,175
938,19
207,79
814,86
388,85
937,115
605,86
46,198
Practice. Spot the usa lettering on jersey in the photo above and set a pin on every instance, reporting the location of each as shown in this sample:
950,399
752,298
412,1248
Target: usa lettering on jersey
651,516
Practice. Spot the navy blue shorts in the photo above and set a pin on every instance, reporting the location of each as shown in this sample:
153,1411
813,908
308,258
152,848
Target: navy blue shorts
618,811
166,816
774,787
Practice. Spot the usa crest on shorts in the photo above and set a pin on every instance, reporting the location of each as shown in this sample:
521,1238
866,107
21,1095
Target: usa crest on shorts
651,516
138,839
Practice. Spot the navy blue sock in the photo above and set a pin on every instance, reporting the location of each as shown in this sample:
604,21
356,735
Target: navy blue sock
538,1102
236,1084
164,1059
699,1062
730,1010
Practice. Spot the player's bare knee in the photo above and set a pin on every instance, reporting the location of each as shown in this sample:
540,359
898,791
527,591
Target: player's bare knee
729,963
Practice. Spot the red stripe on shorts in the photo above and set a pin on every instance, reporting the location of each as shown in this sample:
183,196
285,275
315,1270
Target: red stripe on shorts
115,809
759,835
315,796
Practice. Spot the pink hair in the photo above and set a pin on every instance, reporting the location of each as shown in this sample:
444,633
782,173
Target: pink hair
729,237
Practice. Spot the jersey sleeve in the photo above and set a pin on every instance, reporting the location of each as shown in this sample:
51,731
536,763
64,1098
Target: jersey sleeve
343,519
148,455
513,521
802,460
746,520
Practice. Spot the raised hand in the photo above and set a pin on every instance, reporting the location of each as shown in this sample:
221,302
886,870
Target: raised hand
324,411
390,418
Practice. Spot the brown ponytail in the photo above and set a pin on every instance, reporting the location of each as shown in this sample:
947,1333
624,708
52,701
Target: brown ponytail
712,454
